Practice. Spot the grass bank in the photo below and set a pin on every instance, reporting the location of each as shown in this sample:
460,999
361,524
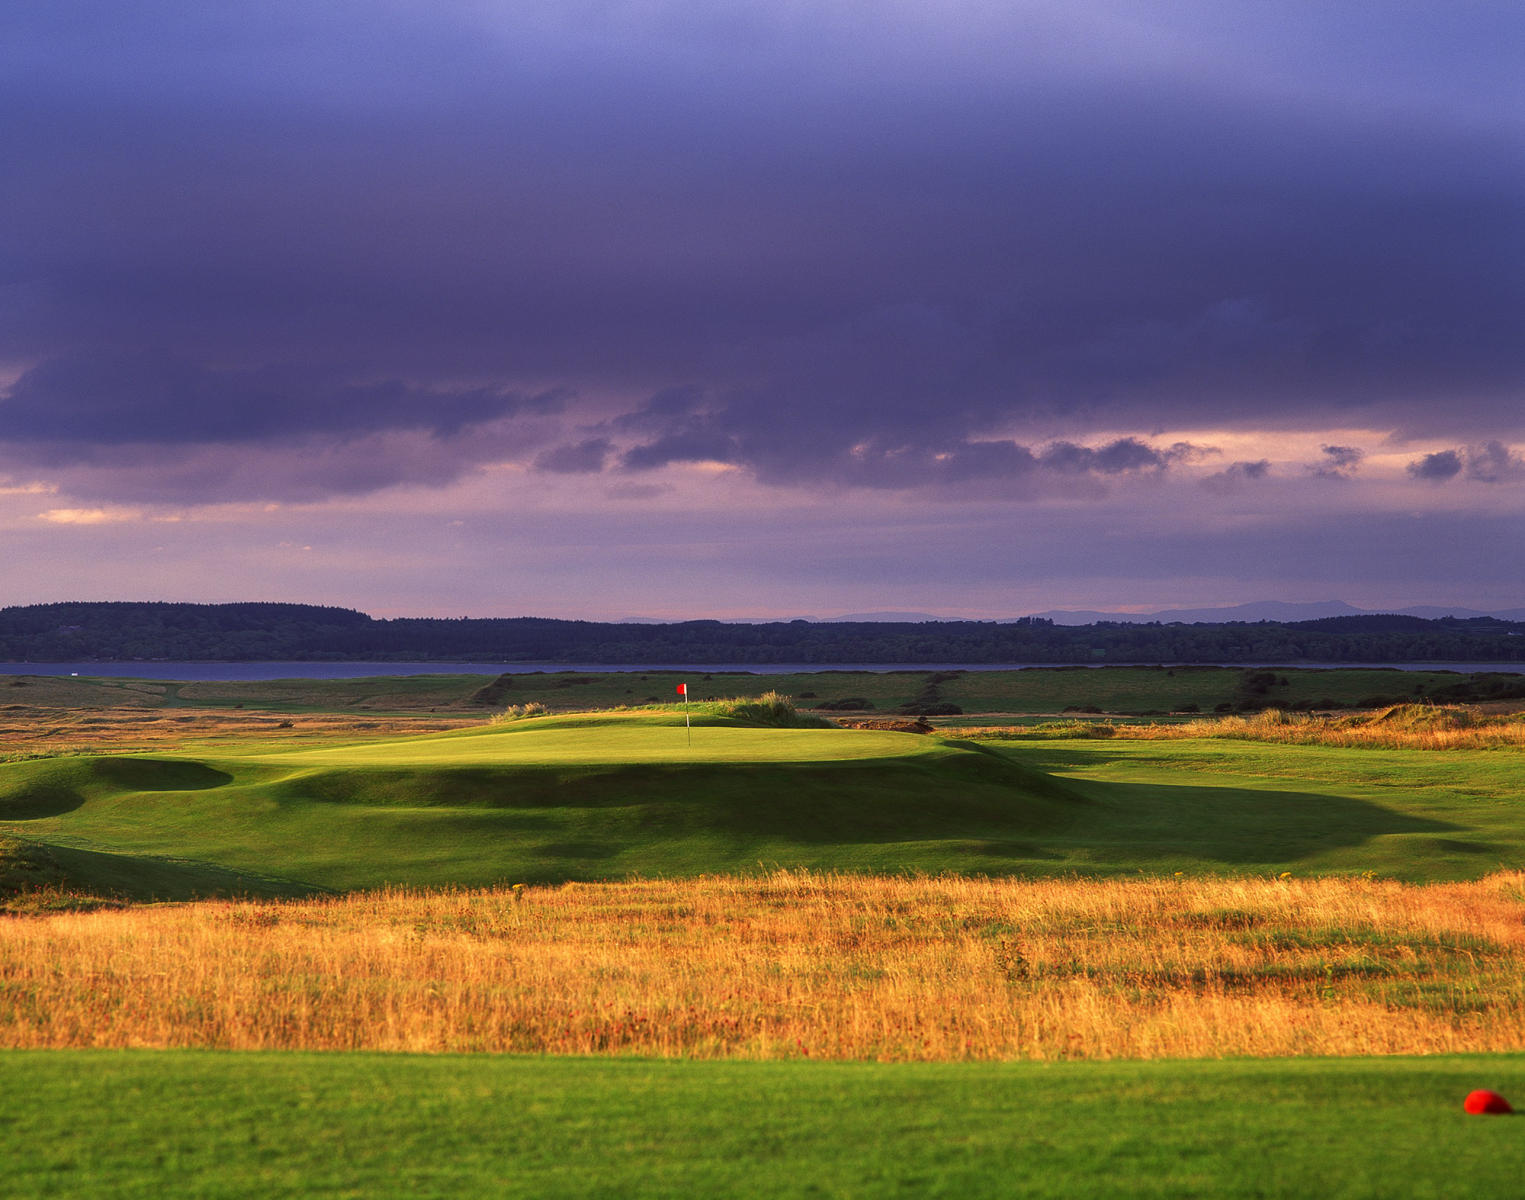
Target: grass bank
620,795
592,797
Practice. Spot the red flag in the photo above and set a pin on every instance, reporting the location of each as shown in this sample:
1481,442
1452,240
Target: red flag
683,689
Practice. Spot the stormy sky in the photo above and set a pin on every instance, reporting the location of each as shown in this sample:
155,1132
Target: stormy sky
599,309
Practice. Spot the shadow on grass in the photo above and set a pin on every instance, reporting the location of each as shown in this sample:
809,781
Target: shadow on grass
52,787
865,800
1231,826
157,774
46,874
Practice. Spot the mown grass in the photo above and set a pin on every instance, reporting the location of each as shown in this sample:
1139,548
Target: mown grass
616,795
596,796
795,965
203,1124
1210,804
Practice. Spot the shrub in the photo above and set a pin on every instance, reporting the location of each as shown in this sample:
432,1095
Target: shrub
1428,717
518,712
935,708
771,708
1074,729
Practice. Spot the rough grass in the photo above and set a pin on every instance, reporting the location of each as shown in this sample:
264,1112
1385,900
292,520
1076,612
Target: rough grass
1398,727
796,965
1047,690
519,712
43,732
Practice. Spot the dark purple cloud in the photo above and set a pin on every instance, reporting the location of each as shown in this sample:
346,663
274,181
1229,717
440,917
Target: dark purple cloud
847,230
1443,464
579,458
983,253
911,450
1493,462
1233,476
1125,454
1339,462
107,398
1490,462
155,427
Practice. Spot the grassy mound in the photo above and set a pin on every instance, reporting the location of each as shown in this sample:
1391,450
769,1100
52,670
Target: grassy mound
603,795
616,795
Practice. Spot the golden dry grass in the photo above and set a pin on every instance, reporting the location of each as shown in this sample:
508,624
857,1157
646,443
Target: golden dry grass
795,964
1401,727
28,731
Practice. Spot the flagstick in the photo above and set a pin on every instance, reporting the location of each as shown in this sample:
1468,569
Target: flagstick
687,725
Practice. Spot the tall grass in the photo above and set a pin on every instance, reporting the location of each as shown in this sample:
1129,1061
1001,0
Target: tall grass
771,708
794,964
519,712
1401,726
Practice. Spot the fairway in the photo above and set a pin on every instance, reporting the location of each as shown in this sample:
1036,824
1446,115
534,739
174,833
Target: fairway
204,1124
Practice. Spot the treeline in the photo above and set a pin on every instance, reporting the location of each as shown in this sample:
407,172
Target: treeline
301,632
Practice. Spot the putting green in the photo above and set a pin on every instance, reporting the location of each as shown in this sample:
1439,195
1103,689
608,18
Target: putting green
610,740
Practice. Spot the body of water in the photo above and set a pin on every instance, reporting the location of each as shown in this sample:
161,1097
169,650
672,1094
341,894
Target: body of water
230,672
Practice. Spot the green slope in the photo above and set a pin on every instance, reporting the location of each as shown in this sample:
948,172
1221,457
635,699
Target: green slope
616,795
1232,806
540,801
37,877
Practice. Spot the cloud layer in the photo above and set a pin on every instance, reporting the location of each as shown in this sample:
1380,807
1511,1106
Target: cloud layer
1026,254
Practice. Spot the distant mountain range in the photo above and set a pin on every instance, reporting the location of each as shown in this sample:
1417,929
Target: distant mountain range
1260,610
1273,610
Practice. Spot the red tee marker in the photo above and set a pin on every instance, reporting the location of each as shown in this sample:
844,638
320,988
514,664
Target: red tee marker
1484,1101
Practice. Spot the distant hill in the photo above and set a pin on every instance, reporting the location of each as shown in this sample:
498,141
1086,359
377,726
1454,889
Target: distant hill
903,617
1268,610
143,632
1260,610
